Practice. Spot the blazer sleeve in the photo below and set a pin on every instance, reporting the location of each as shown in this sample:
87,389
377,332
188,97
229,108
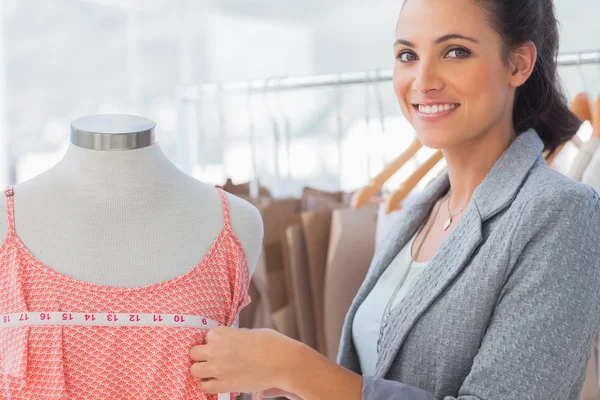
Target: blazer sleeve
538,340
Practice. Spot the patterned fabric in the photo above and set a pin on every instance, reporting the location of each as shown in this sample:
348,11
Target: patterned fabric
93,362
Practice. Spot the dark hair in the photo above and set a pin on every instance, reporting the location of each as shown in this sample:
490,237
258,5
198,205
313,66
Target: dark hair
540,102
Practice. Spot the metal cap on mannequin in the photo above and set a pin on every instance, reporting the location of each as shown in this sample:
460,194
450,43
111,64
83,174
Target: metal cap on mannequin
113,132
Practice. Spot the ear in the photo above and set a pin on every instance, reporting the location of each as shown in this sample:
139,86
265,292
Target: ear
523,61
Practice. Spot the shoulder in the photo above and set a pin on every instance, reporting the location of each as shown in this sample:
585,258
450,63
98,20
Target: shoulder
547,190
552,209
244,215
247,224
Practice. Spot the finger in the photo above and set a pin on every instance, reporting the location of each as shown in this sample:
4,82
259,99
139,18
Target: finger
216,333
202,370
213,386
199,353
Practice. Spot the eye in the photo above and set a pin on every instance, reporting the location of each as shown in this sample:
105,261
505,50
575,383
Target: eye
459,53
407,56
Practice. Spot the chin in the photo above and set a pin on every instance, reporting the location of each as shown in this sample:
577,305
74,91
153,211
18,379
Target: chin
436,138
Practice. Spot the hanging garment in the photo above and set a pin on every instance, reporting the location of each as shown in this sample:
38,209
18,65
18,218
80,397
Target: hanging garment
242,190
258,313
351,248
116,362
300,285
583,159
317,225
591,175
314,199
277,216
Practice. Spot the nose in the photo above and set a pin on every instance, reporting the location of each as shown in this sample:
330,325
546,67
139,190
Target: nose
427,78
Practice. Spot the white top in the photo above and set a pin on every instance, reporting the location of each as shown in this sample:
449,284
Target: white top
591,176
367,322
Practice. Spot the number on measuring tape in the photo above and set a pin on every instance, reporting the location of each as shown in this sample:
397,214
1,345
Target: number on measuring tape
104,319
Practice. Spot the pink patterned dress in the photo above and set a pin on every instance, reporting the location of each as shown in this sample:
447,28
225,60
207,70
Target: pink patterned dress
111,362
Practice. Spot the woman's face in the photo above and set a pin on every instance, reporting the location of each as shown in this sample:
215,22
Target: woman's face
449,75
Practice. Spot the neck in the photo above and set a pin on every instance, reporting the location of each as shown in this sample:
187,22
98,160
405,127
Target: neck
122,172
469,163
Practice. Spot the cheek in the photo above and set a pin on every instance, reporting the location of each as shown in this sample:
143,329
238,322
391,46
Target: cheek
484,84
402,87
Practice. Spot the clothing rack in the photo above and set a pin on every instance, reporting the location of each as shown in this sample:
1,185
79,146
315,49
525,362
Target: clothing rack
305,82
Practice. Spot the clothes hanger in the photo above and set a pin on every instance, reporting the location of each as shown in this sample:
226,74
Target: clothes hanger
286,129
379,102
364,195
254,183
395,199
596,120
339,124
368,127
581,107
276,135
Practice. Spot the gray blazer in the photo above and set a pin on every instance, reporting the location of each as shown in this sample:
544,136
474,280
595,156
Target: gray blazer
508,307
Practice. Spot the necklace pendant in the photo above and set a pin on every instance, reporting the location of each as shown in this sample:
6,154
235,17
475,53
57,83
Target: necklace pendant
447,224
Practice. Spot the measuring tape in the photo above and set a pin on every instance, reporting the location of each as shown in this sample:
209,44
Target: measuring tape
107,319
104,319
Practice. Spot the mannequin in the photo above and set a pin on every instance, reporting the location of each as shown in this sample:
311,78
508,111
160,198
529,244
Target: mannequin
116,212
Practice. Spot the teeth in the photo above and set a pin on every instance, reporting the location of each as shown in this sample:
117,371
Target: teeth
437,108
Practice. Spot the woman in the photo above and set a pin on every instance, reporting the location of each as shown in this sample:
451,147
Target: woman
499,297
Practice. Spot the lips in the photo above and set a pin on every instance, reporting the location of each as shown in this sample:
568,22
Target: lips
431,109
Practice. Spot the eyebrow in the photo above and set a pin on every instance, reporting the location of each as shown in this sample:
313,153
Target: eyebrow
439,40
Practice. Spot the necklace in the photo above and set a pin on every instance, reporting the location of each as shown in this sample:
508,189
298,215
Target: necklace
449,220
388,307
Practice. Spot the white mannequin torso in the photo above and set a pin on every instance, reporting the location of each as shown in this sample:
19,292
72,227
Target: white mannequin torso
126,218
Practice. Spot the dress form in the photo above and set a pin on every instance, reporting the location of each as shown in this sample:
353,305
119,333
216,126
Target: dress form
116,212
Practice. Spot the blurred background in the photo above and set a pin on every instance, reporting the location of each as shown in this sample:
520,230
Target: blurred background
61,59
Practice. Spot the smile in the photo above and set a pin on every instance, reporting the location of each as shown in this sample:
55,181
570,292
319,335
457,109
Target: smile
435,108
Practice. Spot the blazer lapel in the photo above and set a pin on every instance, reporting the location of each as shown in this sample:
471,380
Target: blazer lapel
494,194
448,262
406,222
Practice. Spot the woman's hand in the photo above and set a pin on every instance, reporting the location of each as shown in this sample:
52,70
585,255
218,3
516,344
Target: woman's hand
274,393
245,361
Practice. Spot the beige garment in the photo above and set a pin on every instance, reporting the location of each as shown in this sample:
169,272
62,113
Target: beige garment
243,189
300,285
314,199
276,216
258,313
316,226
583,158
351,248
284,320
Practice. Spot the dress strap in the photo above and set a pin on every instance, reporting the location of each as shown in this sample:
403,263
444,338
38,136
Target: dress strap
225,206
10,210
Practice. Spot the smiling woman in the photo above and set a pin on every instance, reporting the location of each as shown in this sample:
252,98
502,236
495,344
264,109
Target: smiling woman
487,285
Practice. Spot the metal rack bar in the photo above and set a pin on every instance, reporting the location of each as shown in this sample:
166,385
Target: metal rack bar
349,78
